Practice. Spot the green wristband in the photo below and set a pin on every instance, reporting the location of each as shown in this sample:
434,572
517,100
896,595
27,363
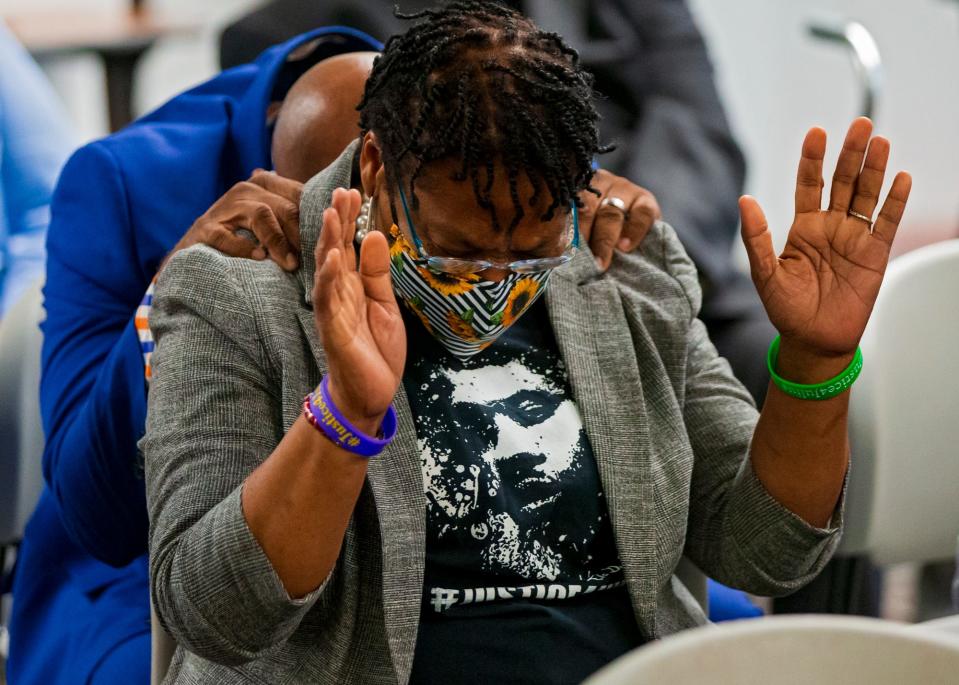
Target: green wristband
819,391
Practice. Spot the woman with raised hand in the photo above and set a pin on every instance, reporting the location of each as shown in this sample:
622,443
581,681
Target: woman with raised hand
462,452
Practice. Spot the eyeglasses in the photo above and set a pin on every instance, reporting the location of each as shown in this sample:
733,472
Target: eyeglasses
461,267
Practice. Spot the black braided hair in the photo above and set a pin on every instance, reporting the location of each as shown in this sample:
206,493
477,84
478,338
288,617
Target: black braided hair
479,83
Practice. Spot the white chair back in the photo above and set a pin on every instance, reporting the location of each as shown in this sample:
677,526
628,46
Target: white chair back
695,581
947,625
903,499
791,650
162,648
21,432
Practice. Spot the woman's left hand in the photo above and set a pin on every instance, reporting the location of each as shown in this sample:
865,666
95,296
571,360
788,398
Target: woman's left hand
820,291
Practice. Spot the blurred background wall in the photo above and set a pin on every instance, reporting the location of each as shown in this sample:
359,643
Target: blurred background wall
775,78
777,81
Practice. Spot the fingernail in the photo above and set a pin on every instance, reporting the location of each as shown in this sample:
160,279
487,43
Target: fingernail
599,264
291,262
624,244
259,253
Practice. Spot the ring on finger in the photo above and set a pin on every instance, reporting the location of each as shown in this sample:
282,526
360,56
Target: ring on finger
863,217
616,202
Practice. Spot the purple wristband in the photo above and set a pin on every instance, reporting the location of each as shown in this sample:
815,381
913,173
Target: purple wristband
327,418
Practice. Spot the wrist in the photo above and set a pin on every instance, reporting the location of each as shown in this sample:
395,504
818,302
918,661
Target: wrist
369,424
801,364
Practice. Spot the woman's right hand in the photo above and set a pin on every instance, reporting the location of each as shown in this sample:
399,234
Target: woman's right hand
357,317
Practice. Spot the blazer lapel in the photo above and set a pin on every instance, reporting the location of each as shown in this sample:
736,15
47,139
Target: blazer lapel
594,339
396,480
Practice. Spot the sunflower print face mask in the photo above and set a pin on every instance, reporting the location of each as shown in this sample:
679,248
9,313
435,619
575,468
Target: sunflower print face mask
465,313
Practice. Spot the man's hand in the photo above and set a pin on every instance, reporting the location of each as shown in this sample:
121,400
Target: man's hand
267,206
606,227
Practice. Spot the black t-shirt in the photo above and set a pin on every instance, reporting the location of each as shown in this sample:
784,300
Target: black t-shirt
523,582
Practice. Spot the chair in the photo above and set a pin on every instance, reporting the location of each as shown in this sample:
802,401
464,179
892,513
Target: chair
902,504
21,433
162,648
791,650
947,625
695,581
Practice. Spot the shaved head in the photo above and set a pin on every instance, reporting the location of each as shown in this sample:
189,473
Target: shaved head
318,118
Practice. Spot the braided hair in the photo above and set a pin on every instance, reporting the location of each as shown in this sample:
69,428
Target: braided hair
479,83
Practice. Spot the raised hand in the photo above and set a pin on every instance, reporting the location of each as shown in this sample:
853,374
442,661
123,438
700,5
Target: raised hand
357,317
819,292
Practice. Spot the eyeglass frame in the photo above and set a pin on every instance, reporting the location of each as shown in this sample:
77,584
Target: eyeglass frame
431,261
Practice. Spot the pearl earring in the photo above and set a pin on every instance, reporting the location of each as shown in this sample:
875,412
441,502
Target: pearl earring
364,222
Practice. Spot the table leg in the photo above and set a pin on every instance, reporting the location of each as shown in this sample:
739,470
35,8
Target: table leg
120,68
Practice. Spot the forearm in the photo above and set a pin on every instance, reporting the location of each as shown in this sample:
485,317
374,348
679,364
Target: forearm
93,390
298,504
800,449
91,461
737,532
233,582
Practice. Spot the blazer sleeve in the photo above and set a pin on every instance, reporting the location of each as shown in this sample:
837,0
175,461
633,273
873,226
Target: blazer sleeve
92,390
214,417
737,532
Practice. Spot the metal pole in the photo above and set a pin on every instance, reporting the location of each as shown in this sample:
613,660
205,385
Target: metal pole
864,52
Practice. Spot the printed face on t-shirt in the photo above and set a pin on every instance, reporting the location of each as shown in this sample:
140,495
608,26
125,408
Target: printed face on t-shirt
530,450
525,437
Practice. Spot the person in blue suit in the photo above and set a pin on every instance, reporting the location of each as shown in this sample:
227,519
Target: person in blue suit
80,592
35,140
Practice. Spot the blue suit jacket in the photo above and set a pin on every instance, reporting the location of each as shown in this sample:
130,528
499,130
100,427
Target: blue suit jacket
121,204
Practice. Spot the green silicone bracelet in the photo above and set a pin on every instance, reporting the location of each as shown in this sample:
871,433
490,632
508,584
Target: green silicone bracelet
819,391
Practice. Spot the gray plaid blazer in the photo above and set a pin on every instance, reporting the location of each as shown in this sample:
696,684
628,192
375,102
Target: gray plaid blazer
236,353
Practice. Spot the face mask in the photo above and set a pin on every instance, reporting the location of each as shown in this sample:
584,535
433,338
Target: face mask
465,313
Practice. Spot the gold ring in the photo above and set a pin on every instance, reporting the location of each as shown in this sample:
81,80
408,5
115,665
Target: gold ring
865,218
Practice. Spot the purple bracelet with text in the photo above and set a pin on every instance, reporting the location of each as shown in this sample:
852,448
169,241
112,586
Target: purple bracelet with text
325,417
